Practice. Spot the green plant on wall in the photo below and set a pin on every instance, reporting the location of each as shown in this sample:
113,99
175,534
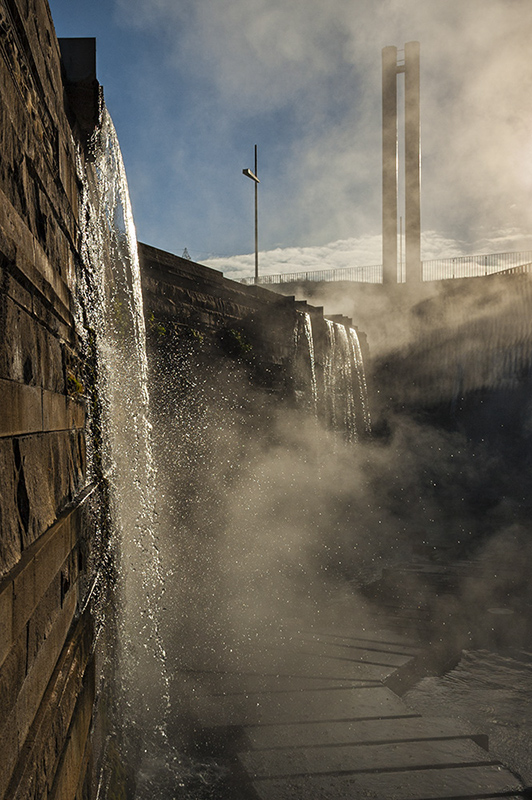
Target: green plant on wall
156,327
197,335
75,387
235,342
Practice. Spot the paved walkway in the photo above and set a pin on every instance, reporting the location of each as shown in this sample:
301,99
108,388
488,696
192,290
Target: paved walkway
317,717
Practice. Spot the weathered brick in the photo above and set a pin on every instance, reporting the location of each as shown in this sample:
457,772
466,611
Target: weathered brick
36,682
9,750
23,596
70,774
50,361
12,675
35,773
54,474
10,525
55,411
42,621
18,344
51,556
6,619
76,413
21,408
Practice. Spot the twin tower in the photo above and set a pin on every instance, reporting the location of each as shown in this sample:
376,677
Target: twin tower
391,68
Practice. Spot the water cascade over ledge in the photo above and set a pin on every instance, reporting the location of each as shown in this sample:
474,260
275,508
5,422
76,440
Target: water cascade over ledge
305,363
110,320
332,387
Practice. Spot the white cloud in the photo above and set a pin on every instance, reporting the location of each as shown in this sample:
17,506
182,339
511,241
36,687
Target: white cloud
304,79
364,251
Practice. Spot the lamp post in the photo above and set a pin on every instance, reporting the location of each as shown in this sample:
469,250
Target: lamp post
253,176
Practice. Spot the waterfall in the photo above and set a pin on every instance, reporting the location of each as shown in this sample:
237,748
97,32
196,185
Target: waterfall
361,377
305,366
329,375
342,395
339,384
111,324
344,386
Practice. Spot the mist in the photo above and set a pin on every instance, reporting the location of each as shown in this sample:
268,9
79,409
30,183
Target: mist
272,520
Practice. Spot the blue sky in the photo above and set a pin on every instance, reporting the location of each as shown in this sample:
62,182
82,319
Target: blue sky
193,85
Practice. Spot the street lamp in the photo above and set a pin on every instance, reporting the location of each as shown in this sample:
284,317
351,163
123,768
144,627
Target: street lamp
253,176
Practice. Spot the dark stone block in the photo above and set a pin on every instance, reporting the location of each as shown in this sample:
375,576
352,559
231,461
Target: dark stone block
19,351
10,522
12,675
41,622
53,467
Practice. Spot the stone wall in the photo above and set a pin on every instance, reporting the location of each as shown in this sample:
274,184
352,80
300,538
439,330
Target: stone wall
184,299
51,515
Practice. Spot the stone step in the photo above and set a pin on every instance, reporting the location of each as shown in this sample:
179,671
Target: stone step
456,783
372,731
219,684
310,665
300,706
355,758
350,652
394,646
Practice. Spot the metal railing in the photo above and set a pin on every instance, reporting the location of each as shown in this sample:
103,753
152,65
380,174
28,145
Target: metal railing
471,266
367,274
433,270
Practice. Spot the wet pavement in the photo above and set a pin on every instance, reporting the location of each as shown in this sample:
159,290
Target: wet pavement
317,713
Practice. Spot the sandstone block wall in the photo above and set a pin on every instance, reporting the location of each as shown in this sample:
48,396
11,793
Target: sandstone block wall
182,296
47,503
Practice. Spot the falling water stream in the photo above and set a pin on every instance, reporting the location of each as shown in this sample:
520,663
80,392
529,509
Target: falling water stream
110,321
361,377
344,383
305,366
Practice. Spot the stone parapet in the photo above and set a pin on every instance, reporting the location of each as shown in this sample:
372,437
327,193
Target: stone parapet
53,519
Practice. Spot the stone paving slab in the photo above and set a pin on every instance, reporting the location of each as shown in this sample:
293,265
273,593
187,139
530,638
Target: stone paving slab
350,652
435,784
363,636
319,723
371,731
310,705
298,665
356,758
238,683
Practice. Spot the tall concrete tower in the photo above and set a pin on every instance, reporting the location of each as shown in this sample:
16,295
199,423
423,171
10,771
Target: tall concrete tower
391,68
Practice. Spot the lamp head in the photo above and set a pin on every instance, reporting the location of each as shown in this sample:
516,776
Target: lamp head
249,174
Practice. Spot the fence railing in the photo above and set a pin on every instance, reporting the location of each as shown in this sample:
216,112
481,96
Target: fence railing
471,266
367,274
433,270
